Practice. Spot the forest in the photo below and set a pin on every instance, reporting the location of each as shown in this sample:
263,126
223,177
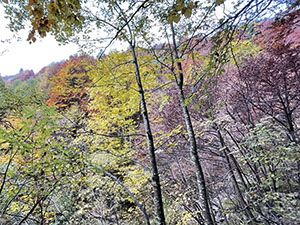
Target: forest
194,120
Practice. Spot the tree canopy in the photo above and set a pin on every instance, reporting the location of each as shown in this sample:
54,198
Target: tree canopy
195,122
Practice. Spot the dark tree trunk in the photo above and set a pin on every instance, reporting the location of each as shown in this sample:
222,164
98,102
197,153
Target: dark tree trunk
240,196
154,171
203,195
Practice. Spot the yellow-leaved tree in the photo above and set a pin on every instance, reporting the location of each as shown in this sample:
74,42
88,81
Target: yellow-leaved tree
118,145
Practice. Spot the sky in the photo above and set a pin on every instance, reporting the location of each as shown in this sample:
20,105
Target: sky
21,54
16,54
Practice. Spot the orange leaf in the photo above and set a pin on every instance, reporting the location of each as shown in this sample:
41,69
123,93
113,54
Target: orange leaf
31,2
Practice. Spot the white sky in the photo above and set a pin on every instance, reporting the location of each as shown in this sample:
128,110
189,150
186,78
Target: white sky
15,55
21,54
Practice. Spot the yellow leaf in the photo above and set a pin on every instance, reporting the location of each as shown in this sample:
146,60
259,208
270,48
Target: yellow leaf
224,211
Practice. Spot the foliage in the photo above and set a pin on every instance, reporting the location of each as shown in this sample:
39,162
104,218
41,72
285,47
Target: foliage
70,168
35,164
70,83
58,17
46,73
274,195
116,118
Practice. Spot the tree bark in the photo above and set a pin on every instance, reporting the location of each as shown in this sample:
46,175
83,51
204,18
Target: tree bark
242,201
203,195
158,203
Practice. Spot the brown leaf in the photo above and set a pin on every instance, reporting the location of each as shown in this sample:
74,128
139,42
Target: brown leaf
31,2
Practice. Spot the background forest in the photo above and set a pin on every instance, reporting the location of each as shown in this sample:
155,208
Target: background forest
196,121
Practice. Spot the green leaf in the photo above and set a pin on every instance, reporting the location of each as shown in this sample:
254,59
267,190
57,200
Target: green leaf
179,5
176,18
219,2
188,12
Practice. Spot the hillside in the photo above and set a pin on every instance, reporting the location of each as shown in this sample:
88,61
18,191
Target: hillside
200,129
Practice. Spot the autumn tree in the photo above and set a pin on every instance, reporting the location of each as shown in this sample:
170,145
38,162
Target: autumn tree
61,24
130,22
70,83
262,101
46,73
274,72
116,123
34,162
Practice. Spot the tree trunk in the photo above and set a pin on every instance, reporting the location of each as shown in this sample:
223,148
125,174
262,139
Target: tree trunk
240,196
203,195
154,171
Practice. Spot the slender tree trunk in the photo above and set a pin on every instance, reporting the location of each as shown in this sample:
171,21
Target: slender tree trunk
136,201
158,203
203,195
138,204
154,171
242,201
